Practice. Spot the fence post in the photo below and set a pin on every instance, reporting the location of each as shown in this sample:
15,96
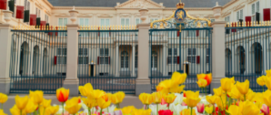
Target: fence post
143,81
218,48
71,82
5,46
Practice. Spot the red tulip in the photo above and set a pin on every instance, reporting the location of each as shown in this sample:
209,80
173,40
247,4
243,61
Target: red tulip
200,107
265,109
165,112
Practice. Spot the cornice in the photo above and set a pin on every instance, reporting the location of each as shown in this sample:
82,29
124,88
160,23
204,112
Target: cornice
48,3
238,7
228,4
251,1
148,1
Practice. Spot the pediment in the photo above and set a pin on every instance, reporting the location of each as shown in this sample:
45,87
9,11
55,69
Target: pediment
140,4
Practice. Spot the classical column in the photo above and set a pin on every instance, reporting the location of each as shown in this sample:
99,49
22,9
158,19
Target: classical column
133,60
143,81
5,46
117,59
71,82
218,48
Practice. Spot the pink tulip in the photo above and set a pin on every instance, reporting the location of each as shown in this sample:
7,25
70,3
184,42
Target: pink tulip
119,112
184,104
200,107
265,109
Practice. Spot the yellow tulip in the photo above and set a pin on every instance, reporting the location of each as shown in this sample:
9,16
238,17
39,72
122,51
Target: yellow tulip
249,108
2,112
157,97
209,110
86,90
249,96
268,73
187,112
268,82
127,110
62,94
37,96
221,102
97,94
177,89
234,110
16,111
227,83
46,103
52,109
192,98
30,106
89,102
72,105
178,78
261,80
218,91
164,86
202,83
212,99
267,98
243,87
3,98
141,112
234,93
146,98
117,98
103,103
169,98
21,102
201,76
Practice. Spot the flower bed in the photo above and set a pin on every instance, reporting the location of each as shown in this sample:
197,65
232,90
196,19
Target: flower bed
232,98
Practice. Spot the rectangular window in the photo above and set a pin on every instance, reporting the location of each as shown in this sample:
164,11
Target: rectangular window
38,12
83,56
84,22
239,14
47,18
105,22
253,9
258,7
138,21
227,19
125,22
62,56
192,55
104,56
172,56
62,21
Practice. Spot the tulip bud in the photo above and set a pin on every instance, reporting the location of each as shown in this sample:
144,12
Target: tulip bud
200,107
265,109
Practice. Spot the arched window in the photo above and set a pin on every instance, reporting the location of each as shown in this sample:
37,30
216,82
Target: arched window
257,58
228,58
241,59
36,57
45,58
24,53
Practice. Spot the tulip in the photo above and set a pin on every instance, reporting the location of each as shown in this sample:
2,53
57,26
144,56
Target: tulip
212,99
221,102
72,105
265,109
192,98
268,82
177,89
37,96
209,109
234,110
86,90
62,94
16,111
165,112
97,94
243,87
169,98
157,97
218,91
200,107
117,98
234,93
267,98
178,78
202,83
249,96
103,103
207,77
164,86
227,83
146,98
30,106
249,108
52,109
89,102
128,110
261,80
46,103
141,112
268,73
21,102
3,99
2,112
187,112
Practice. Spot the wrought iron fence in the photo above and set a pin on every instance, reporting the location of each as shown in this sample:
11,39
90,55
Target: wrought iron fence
187,51
248,51
38,59
107,57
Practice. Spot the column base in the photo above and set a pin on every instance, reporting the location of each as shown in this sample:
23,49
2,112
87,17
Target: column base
143,86
5,85
73,85
215,84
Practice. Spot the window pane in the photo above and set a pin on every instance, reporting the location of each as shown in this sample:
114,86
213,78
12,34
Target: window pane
122,22
175,51
81,22
127,22
194,51
60,21
107,22
101,52
169,60
258,7
106,52
87,21
102,22
189,51
241,14
65,21
59,51
169,51
175,60
64,51
253,8
238,15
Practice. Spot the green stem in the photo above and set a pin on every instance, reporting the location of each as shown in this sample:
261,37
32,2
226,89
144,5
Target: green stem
222,103
157,108
21,112
191,110
89,112
62,108
205,90
168,105
101,111
39,109
244,97
2,106
263,88
213,108
118,105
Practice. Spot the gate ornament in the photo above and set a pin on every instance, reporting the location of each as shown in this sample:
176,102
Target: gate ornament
181,20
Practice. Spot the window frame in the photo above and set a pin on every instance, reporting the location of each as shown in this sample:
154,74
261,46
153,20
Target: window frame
191,55
61,56
104,56
172,56
82,56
